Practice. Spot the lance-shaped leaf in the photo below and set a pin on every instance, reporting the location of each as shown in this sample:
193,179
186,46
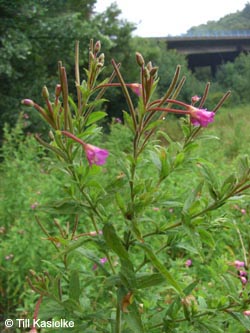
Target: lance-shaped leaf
115,244
241,319
161,267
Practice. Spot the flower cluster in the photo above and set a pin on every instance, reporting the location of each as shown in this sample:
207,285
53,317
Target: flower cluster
241,272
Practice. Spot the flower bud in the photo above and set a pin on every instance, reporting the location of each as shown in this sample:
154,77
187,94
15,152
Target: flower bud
195,99
58,90
146,73
45,93
139,59
101,59
238,264
149,66
246,312
243,279
153,71
91,55
51,135
28,102
97,47
188,263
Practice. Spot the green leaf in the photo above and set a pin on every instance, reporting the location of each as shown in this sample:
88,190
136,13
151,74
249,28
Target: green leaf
128,121
179,159
206,237
166,166
165,135
155,159
172,204
228,185
133,319
245,322
74,286
95,116
209,327
160,267
190,287
73,104
65,206
192,197
208,174
120,202
243,167
49,308
146,280
114,242
92,257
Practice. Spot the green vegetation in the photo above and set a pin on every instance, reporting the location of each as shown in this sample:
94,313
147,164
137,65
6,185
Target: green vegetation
153,239
146,243
35,36
235,21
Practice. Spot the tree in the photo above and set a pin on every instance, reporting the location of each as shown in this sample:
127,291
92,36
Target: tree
33,35
235,76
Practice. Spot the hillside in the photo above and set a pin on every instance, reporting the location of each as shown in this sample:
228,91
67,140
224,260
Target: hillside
235,21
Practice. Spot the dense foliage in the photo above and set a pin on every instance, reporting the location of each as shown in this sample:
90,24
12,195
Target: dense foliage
32,35
231,22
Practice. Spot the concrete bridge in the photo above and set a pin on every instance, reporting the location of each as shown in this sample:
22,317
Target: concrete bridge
210,49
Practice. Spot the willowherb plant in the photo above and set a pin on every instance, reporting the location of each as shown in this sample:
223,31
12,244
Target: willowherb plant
117,265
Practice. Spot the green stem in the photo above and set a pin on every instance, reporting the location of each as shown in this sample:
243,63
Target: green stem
118,322
77,77
45,231
111,264
126,94
94,224
75,226
241,241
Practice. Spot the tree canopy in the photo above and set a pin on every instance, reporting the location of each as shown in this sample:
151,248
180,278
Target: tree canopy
34,36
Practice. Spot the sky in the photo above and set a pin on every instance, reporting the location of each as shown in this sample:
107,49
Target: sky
159,18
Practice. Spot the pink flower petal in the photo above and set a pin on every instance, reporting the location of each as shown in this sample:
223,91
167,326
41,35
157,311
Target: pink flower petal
95,155
201,117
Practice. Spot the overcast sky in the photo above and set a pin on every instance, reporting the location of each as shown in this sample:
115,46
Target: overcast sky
156,18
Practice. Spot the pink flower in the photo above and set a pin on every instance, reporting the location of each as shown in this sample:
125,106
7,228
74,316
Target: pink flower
195,99
188,263
34,205
200,117
243,279
117,121
238,264
94,233
243,211
95,155
246,313
102,261
136,88
28,102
